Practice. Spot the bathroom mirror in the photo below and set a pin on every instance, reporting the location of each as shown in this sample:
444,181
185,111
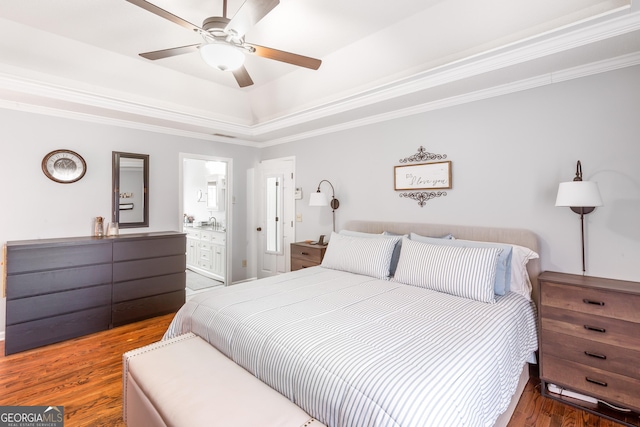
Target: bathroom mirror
130,190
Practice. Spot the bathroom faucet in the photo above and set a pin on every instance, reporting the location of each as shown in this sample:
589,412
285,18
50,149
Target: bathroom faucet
215,222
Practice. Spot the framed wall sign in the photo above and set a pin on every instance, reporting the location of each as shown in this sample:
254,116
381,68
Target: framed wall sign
424,176
422,181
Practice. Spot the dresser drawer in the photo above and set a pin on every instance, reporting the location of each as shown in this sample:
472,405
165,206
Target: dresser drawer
141,288
131,270
595,328
49,305
143,308
125,250
36,333
49,281
592,301
40,257
592,353
592,381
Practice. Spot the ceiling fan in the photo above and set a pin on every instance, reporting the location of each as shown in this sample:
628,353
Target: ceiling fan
224,46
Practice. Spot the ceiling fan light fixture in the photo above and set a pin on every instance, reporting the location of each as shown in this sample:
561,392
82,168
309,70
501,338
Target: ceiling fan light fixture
224,57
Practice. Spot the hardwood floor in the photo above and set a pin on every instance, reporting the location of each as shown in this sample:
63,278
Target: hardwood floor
534,410
85,376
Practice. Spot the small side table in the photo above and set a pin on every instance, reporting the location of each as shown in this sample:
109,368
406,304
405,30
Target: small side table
305,255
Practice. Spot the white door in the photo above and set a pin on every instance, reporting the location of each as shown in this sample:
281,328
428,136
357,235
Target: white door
275,216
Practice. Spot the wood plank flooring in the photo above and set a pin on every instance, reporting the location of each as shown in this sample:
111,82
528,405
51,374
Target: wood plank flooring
85,376
535,410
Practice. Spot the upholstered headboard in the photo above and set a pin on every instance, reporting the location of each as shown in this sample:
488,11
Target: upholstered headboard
514,236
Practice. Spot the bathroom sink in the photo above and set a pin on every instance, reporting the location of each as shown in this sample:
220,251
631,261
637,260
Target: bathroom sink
210,227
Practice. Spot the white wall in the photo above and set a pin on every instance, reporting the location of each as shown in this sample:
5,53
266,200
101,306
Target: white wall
509,154
35,207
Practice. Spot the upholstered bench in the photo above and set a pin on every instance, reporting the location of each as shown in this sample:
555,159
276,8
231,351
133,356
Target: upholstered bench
185,382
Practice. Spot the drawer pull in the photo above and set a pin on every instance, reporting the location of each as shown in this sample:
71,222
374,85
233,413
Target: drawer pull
600,383
595,329
304,253
588,301
596,355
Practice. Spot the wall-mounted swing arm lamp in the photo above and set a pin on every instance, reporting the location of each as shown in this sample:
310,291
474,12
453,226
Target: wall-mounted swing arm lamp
582,197
320,199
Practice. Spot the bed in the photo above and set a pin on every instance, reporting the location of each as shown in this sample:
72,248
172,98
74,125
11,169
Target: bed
352,347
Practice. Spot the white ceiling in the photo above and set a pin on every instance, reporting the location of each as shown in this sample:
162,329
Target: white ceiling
379,60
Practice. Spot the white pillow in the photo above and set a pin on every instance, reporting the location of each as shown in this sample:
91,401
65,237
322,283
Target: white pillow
520,281
468,272
360,255
503,268
383,235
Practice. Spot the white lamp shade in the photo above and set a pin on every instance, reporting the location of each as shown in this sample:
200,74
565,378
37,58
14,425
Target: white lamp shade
222,56
318,199
578,194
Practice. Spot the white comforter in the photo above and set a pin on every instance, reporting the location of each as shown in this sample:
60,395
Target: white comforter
355,351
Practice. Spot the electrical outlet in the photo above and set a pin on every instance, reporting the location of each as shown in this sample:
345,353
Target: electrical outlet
244,262
298,217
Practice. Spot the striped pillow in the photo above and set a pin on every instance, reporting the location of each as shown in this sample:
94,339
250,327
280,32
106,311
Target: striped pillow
456,270
384,235
503,267
360,255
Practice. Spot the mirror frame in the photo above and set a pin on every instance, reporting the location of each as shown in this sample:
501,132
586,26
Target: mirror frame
115,214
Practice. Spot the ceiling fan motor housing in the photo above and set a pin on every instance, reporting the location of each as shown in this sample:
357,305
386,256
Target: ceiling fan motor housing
215,25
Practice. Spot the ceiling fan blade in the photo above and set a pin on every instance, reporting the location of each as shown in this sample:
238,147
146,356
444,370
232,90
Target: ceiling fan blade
249,14
166,53
242,77
288,57
149,7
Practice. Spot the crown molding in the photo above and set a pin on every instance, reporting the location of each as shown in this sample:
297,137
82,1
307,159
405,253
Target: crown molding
166,119
518,86
464,68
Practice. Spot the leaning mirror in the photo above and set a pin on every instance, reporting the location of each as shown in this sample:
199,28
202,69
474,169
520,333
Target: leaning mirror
130,190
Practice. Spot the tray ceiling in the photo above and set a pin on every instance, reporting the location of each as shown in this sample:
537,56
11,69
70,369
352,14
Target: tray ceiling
379,60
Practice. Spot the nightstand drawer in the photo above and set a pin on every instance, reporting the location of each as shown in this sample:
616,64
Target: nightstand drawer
592,381
305,255
592,353
297,264
595,328
308,253
599,302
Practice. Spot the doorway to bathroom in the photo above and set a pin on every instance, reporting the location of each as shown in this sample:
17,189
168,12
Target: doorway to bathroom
205,190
